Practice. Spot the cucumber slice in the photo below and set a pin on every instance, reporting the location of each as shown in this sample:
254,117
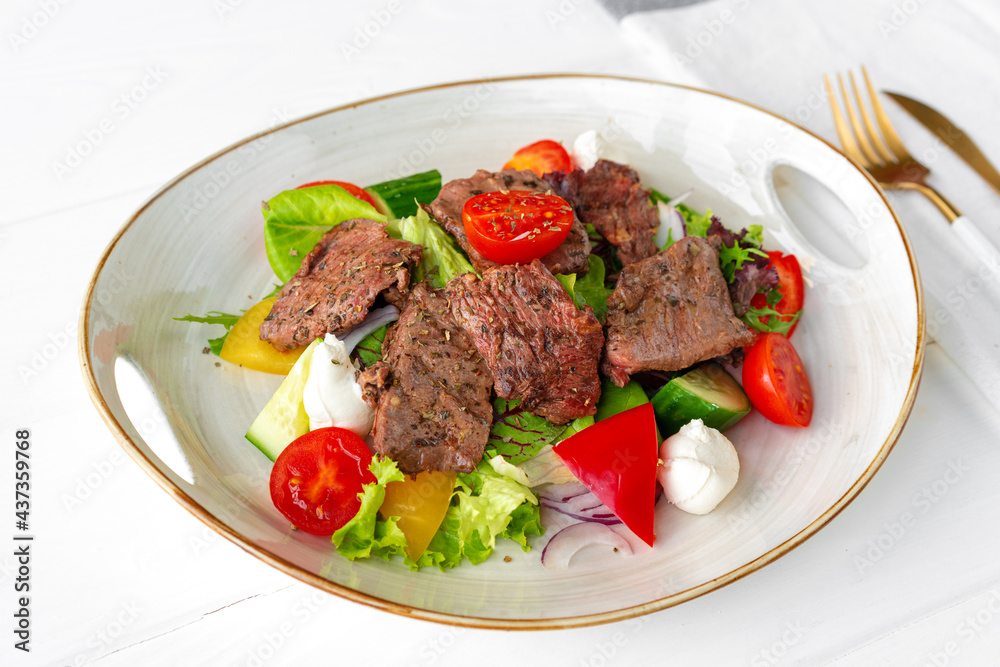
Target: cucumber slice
396,198
284,417
707,393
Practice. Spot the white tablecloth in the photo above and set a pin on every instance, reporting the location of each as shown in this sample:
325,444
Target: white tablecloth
103,102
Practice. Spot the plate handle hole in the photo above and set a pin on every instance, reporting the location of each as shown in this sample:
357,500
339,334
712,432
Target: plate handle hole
820,216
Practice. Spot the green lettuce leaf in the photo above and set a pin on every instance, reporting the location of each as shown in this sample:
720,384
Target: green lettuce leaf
697,224
485,502
517,435
295,220
363,536
588,289
442,259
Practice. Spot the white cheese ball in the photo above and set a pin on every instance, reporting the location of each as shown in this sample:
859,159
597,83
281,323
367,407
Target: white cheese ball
331,396
699,468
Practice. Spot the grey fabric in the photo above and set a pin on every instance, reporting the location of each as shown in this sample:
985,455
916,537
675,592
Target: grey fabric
620,8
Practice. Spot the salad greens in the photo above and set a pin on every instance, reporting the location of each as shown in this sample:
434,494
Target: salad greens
589,290
518,435
213,317
485,506
442,259
295,221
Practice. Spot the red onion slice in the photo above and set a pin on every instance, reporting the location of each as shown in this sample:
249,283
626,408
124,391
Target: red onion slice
570,540
375,319
671,223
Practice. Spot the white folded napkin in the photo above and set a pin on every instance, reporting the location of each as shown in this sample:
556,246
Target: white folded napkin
775,53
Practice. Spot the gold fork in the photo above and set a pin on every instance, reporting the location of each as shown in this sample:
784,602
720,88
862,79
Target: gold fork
891,164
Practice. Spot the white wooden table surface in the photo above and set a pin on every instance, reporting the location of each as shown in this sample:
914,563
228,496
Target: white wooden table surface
102,102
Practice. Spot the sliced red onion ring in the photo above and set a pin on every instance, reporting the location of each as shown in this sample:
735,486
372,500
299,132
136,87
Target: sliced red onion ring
567,542
376,318
575,501
671,224
563,492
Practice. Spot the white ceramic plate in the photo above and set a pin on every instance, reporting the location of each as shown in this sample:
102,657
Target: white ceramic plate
197,245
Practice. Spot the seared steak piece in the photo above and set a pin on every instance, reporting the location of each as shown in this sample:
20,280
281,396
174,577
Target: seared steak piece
540,348
670,311
569,257
337,283
609,197
431,390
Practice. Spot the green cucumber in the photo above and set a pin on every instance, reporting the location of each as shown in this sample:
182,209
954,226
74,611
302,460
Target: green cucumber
284,417
707,393
398,198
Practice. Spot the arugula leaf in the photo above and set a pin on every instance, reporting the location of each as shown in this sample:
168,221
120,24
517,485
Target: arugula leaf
517,435
774,321
615,399
213,317
369,350
731,259
295,221
442,259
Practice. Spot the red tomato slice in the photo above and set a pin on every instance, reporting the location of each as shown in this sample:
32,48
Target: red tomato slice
358,193
616,459
516,226
316,480
541,157
775,381
789,284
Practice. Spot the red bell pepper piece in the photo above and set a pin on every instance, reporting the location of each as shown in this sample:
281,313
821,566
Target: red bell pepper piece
616,459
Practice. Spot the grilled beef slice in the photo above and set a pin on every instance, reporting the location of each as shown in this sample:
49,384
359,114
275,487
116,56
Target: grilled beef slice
609,197
338,282
671,311
430,391
569,257
540,348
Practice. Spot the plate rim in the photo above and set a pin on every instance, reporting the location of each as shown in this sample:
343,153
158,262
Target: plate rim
584,620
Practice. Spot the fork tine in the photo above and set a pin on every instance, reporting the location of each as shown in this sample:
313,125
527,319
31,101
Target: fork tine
846,138
895,143
866,119
859,131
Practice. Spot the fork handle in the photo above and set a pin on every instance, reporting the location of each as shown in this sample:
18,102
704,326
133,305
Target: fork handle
977,242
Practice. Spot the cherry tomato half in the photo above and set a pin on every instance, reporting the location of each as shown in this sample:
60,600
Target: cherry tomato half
317,478
516,226
789,284
541,157
358,193
775,381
